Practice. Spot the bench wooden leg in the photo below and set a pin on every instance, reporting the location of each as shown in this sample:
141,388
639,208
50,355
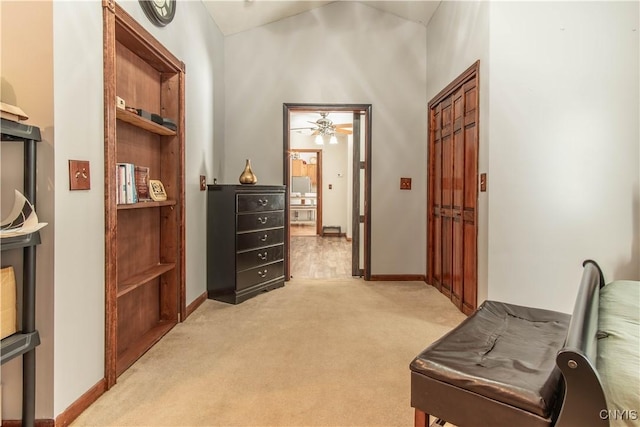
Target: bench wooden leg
421,419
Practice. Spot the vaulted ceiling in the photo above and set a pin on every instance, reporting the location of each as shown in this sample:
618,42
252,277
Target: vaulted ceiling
240,15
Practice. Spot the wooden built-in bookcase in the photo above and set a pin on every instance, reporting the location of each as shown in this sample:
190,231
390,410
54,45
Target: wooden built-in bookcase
144,242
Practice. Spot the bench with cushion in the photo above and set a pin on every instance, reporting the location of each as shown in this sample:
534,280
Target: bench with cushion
509,365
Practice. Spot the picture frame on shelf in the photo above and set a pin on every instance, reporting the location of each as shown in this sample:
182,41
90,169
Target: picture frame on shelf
156,190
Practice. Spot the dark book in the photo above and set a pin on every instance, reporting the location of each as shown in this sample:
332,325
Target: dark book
142,183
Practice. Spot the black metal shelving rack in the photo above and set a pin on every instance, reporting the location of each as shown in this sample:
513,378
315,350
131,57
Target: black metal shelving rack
24,342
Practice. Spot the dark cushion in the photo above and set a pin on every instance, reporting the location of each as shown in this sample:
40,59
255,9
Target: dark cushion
504,352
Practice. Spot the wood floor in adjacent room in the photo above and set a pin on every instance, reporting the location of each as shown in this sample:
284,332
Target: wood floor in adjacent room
316,257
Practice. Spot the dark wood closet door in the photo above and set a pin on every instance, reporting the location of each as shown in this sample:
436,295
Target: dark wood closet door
452,198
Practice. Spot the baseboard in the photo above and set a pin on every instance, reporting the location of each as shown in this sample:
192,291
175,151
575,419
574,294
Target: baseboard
37,423
83,402
398,277
195,304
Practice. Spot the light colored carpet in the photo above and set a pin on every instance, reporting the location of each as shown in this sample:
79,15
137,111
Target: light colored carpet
315,353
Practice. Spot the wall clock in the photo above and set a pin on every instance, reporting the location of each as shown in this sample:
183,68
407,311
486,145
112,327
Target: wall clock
159,12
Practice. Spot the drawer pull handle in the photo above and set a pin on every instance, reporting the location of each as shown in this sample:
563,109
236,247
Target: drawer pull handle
263,202
263,274
262,220
262,256
264,238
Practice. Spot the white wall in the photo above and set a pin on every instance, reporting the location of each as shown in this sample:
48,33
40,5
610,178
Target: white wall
79,273
341,53
558,163
564,147
27,81
79,246
458,36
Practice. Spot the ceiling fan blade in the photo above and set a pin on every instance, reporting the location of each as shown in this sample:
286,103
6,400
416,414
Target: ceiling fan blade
343,125
344,131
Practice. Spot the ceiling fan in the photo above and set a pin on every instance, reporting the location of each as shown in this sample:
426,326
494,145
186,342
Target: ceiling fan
325,127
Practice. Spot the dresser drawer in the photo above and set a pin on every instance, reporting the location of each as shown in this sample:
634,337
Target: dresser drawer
257,221
259,239
264,273
260,202
245,260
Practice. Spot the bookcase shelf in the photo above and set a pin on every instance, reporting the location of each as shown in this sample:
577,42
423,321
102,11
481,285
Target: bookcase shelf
132,353
144,205
141,122
144,241
142,278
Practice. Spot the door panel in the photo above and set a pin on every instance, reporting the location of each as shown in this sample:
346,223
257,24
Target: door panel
458,161
435,210
447,252
470,285
452,198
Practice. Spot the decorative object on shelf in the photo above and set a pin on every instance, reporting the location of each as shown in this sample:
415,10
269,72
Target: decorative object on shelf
120,103
141,178
247,176
8,310
159,12
143,113
22,219
168,123
156,190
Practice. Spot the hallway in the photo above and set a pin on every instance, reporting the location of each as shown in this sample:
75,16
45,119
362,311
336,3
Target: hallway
315,257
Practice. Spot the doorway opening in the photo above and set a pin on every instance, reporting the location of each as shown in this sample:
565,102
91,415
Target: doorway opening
326,155
305,193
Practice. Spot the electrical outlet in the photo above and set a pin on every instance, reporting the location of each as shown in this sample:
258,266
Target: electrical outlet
203,183
79,175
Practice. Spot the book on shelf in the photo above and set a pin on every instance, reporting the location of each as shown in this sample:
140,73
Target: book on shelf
141,178
126,184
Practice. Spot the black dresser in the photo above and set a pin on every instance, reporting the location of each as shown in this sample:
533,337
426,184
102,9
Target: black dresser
245,240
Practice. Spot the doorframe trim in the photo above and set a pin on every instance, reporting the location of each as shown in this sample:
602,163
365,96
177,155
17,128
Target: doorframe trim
451,87
304,107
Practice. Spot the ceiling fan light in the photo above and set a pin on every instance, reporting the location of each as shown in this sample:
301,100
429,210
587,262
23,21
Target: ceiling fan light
319,139
333,140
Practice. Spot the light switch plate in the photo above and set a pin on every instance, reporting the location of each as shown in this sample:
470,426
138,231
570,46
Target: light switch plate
79,175
203,183
405,183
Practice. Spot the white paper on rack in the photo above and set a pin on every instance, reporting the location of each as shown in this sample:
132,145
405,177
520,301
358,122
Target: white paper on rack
21,220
